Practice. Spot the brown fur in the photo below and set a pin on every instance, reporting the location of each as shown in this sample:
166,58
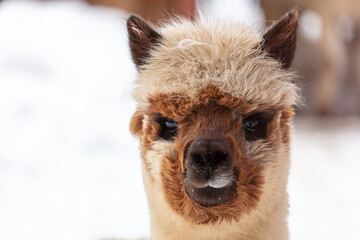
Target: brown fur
136,123
209,92
193,121
186,112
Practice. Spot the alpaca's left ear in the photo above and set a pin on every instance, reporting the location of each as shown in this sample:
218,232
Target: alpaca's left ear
279,41
142,38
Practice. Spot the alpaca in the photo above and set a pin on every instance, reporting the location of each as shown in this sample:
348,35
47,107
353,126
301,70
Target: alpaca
215,104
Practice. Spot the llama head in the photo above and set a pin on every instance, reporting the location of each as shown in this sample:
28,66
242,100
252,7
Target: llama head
214,105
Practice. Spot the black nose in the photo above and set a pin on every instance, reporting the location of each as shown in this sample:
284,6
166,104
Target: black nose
206,160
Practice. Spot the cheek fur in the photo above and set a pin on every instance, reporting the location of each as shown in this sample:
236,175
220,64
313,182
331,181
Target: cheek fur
155,156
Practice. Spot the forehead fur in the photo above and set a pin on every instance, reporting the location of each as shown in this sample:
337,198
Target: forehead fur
194,55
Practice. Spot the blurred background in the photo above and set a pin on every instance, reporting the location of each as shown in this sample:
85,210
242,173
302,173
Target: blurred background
69,169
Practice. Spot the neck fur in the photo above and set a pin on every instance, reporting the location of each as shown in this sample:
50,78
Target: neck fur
261,224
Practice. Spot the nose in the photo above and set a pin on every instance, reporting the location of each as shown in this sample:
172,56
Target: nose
208,163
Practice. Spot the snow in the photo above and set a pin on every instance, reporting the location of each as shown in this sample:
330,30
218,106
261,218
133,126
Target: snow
324,179
69,169
247,12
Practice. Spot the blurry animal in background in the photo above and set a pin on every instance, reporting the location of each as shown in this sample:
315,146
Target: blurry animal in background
329,52
152,10
215,105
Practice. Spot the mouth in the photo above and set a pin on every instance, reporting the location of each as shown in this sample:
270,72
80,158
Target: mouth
211,194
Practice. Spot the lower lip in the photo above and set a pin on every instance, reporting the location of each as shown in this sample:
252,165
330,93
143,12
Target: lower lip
209,196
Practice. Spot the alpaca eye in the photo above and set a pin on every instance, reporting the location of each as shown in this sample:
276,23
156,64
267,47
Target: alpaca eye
171,125
168,128
250,124
255,126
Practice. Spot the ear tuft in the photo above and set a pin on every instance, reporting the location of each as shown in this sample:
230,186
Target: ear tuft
279,41
142,38
136,123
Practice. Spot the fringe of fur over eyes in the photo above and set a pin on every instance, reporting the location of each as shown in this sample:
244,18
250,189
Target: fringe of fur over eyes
193,55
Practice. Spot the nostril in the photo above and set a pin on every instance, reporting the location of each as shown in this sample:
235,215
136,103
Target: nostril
204,151
196,158
220,156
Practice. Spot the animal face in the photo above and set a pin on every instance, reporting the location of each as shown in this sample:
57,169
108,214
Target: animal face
214,106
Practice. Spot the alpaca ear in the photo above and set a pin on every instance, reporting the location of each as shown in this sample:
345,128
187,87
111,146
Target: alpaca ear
136,123
142,38
279,41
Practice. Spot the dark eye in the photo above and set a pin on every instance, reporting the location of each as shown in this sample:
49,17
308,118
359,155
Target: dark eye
171,125
255,126
168,127
250,124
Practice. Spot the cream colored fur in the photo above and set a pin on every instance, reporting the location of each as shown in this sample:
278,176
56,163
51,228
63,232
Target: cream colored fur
215,53
191,56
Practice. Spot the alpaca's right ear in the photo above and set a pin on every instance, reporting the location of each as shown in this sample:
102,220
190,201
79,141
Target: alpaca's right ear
280,39
136,123
142,38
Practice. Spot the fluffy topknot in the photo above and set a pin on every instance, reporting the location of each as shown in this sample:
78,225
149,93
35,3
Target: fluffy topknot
190,56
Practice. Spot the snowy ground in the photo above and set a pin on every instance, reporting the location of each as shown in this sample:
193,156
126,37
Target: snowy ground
69,168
